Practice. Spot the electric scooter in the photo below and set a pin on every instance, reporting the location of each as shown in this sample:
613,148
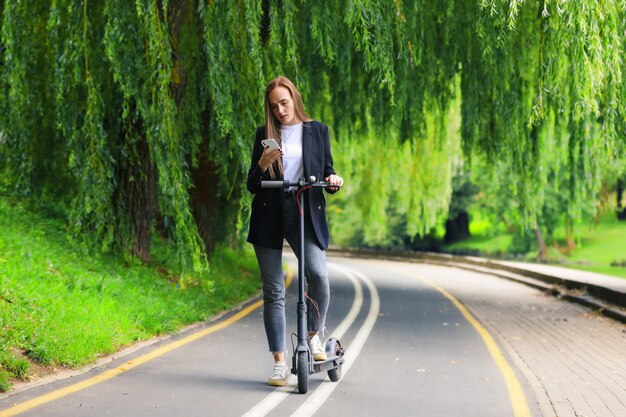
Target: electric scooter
303,364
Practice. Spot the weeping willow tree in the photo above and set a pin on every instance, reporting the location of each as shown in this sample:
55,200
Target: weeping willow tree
139,115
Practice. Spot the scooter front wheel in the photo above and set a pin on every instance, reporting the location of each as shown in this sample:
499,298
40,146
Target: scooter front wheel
303,372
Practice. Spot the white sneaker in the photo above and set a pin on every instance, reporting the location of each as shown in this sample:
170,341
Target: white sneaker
316,348
280,375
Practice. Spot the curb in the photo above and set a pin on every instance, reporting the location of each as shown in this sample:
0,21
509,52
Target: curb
606,301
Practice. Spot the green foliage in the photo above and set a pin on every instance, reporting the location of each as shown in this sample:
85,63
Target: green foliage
26,128
5,385
12,367
235,68
412,181
18,367
408,88
82,101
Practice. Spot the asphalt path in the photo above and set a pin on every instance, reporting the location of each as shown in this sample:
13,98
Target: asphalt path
421,341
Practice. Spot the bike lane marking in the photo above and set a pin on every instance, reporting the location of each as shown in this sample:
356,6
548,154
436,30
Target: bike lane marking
265,406
131,364
519,403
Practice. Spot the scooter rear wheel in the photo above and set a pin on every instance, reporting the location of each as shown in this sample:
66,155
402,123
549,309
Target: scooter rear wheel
303,372
335,374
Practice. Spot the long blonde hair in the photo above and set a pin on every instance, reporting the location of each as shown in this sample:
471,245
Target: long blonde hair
272,124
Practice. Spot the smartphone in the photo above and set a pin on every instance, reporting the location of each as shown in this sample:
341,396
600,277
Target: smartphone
270,143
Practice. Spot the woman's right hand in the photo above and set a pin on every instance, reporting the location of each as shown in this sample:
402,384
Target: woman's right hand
268,158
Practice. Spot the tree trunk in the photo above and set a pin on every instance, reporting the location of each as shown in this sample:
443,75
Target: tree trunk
457,228
569,236
621,210
541,245
139,185
204,199
215,211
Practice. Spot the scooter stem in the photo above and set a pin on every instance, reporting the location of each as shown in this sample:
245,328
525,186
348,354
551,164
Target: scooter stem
302,313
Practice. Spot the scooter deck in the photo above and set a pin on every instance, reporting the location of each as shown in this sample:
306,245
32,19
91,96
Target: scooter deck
332,362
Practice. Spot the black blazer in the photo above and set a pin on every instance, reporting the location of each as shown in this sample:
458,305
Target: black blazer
266,218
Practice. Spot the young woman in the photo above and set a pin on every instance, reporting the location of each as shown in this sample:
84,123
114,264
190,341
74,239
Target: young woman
305,152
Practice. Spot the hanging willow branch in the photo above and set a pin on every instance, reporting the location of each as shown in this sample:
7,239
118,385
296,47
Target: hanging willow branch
167,94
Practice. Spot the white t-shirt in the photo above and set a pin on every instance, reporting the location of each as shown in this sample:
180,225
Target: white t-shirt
291,136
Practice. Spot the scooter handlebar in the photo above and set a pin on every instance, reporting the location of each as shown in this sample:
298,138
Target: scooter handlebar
302,183
275,184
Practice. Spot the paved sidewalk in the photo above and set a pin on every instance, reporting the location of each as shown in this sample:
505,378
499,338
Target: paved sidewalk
574,275
603,293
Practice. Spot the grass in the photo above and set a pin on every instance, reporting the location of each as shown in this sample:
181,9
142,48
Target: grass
597,247
488,245
61,306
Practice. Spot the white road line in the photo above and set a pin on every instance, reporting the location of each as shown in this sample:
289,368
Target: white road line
277,396
321,394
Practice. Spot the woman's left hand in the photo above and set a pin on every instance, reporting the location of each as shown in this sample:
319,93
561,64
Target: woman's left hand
334,180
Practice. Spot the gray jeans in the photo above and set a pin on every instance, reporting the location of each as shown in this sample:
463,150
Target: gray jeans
273,277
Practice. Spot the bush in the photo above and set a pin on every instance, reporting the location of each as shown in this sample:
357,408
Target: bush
17,367
5,385
523,243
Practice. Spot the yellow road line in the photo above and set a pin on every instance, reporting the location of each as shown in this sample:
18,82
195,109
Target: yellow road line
112,373
516,394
